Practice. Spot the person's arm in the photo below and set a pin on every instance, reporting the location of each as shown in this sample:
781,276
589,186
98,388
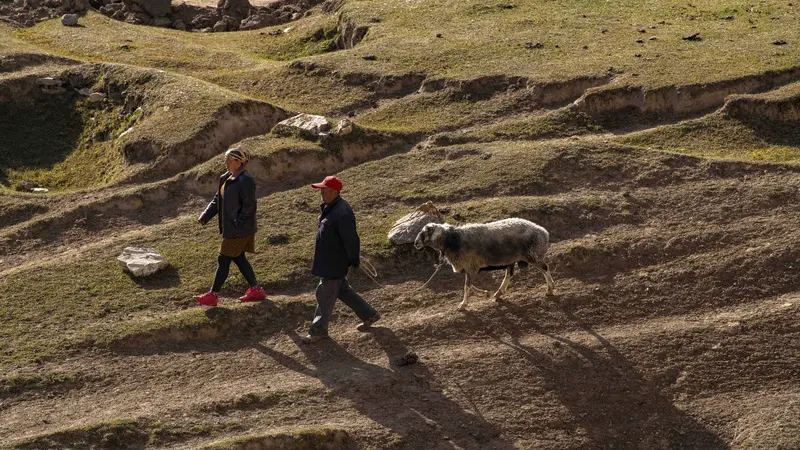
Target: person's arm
211,210
247,195
352,243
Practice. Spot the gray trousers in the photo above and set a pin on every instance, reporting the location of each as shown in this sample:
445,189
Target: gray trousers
327,293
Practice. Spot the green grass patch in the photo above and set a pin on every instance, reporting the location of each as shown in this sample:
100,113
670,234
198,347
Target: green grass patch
716,136
61,143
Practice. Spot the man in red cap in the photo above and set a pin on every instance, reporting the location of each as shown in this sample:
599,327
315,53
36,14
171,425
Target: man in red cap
337,248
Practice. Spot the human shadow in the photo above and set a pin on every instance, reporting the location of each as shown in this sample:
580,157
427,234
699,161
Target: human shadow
605,393
403,399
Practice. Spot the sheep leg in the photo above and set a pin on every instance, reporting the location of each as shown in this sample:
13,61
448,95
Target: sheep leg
474,288
504,285
543,267
467,287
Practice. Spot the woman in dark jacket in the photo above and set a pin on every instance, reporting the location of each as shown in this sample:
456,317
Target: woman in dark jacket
235,206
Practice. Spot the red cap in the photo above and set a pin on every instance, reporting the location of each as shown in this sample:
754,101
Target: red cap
329,182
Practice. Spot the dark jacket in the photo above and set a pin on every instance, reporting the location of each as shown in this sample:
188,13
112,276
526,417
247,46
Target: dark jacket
237,209
338,245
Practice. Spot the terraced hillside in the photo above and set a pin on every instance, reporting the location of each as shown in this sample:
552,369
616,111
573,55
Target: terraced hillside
663,162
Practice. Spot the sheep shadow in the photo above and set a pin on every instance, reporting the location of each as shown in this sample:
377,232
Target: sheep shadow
604,392
401,399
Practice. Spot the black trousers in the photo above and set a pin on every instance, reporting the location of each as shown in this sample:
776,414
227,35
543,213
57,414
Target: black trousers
223,268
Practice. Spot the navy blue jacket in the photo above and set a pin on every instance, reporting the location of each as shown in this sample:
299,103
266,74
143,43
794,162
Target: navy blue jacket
338,245
237,209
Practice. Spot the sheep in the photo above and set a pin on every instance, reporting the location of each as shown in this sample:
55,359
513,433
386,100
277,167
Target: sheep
494,245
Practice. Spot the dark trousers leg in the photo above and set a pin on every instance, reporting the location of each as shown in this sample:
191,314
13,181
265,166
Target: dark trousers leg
247,269
357,303
327,291
223,267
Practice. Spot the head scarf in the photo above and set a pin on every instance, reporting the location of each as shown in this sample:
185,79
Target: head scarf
239,154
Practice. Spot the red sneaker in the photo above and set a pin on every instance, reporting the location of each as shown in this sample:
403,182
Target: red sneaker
208,299
254,294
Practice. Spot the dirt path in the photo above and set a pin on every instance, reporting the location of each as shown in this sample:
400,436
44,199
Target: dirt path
679,330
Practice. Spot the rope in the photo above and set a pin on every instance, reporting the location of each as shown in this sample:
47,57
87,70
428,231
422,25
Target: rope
370,270
437,266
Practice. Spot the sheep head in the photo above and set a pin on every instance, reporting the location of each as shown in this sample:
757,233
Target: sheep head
431,235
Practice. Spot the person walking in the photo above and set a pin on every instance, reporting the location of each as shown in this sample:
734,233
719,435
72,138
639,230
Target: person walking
235,206
337,249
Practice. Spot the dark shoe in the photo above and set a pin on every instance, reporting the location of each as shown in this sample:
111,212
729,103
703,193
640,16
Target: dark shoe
367,324
312,338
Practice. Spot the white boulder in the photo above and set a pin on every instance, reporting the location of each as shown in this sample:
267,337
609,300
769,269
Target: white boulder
141,262
405,230
306,124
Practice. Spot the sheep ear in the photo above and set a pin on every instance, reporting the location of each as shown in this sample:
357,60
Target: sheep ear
437,236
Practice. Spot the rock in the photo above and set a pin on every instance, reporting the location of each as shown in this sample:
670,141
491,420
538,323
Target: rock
652,38
238,9
307,124
179,25
296,16
640,41
439,35
48,81
111,8
343,128
692,37
138,18
155,8
80,5
779,42
141,262
407,359
405,230
69,20
533,45
220,27
162,22
369,58
96,97
40,190
255,22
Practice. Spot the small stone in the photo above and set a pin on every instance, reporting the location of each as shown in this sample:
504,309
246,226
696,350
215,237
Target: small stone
638,55
69,20
640,41
652,38
343,128
604,31
532,45
369,58
439,35
40,190
586,47
96,97
692,37
779,42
